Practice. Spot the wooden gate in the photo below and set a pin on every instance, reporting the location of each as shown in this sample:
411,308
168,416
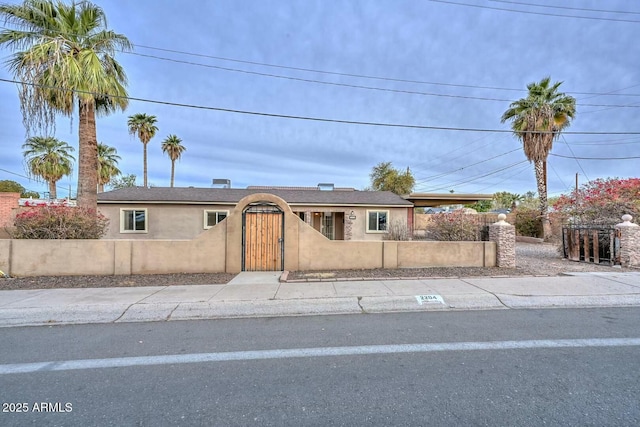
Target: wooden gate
262,238
599,245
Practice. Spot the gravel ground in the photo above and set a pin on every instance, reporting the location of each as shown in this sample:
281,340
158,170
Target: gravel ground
51,282
532,260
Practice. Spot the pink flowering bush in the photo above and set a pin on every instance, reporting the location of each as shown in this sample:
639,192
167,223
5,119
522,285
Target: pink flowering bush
602,201
59,222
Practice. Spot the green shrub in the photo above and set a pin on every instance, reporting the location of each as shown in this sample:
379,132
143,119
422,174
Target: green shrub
528,222
59,222
455,226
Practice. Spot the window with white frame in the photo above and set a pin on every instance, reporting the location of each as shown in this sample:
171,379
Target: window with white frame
133,220
211,218
377,221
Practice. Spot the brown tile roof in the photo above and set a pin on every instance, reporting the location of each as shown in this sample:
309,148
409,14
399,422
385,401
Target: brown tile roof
233,195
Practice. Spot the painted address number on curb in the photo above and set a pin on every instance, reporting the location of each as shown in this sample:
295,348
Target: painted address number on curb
429,298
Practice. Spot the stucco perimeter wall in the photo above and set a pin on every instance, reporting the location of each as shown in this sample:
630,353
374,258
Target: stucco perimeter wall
5,252
441,254
316,252
205,254
61,257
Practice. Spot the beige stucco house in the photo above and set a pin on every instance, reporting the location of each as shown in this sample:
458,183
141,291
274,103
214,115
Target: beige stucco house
184,213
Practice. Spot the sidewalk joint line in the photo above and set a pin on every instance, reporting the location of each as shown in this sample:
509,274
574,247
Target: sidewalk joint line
617,281
152,294
124,312
360,305
171,314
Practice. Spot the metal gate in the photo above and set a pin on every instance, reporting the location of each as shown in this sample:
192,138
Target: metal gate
262,238
599,245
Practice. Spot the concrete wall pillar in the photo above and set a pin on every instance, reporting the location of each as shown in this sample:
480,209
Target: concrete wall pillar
629,242
504,235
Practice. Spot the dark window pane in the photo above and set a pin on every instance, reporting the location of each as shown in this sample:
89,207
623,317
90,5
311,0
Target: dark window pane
211,219
128,220
373,221
382,221
140,220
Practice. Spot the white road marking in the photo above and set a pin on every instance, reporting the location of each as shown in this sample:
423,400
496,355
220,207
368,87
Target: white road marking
121,362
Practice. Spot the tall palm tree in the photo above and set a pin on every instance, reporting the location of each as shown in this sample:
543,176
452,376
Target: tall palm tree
49,159
107,165
144,127
174,149
537,121
64,57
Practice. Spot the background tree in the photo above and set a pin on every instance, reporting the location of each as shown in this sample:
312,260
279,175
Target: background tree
8,186
49,159
174,149
481,205
107,165
124,181
144,127
64,57
385,178
537,121
505,200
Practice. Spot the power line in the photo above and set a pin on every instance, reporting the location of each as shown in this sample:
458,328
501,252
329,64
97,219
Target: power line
436,159
573,154
361,76
333,73
596,158
591,94
308,118
567,8
558,175
518,171
535,13
608,142
31,179
277,76
422,180
474,178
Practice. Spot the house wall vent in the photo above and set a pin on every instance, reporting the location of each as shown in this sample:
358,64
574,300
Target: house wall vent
221,183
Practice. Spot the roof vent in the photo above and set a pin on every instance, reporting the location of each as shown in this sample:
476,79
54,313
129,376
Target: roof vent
221,183
326,186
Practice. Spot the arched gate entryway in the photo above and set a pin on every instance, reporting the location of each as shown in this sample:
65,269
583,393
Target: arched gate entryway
262,237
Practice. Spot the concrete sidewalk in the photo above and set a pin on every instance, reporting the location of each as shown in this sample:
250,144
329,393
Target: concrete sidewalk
262,294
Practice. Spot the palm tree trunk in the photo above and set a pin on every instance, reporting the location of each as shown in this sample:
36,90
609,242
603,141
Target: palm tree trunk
541,181
144,169
52,190
87,157
100,188
173,169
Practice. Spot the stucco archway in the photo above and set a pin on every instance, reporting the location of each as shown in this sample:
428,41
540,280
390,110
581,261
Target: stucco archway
235,236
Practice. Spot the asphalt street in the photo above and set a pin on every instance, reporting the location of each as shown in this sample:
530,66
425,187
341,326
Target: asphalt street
520,367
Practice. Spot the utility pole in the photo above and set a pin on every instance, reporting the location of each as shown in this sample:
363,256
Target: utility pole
577,184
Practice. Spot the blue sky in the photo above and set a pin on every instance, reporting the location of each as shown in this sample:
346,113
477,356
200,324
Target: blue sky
432,64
